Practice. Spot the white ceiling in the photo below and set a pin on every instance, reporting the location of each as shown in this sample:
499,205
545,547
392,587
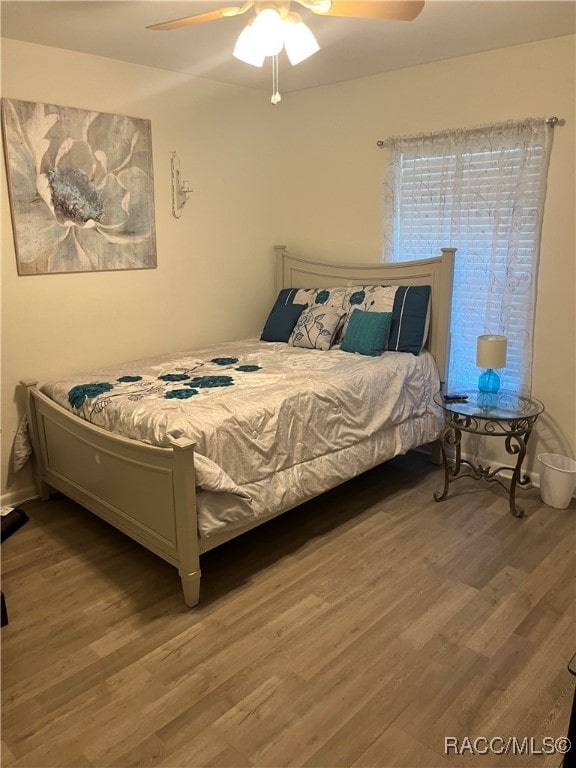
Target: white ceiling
350,48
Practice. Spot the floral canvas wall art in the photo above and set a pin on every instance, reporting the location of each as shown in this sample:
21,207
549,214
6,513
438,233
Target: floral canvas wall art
81,188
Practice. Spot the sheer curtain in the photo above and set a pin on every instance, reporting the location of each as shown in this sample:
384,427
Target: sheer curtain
481,191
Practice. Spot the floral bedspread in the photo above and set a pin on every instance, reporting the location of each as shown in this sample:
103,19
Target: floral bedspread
257,409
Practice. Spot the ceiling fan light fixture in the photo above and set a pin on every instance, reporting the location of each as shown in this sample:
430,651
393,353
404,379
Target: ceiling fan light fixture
269,28
299,41
248,48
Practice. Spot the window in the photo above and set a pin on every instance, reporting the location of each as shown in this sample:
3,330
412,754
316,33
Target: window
482,192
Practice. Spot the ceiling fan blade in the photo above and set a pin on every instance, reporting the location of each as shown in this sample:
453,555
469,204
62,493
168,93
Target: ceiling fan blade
221,13
401,10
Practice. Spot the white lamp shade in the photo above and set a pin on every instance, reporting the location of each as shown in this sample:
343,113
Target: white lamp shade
299,41
248,48
269,28
491,351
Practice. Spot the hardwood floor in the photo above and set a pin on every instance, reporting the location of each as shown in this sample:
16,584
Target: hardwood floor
361,629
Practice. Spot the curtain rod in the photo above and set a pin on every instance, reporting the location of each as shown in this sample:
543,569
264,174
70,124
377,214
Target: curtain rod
551,121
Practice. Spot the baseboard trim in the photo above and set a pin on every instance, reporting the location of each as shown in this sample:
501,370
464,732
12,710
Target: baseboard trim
15,498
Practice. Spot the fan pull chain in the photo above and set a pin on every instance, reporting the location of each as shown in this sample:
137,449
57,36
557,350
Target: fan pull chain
276,98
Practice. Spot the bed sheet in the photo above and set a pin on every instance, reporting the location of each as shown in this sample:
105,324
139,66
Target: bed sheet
273,424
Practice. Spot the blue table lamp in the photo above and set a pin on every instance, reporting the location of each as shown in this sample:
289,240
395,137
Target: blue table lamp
490,354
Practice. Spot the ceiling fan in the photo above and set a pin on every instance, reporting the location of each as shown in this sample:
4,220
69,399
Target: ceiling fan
400,10
274,26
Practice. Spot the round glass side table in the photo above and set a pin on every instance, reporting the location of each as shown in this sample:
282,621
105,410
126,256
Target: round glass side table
504,414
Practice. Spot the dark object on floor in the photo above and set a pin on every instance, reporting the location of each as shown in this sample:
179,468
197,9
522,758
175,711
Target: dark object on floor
570,756
3,611
11,523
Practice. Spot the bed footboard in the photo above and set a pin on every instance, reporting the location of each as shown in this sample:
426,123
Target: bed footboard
148,493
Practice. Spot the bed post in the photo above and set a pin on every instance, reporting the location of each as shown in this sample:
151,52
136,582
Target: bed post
443,298
186,520
280,255
37,457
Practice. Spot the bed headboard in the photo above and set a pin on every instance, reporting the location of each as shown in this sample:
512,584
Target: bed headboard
296,272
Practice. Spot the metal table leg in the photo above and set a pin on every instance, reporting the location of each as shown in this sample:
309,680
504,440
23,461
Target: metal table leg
450,436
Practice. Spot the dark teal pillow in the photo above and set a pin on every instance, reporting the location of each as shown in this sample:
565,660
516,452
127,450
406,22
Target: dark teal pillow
281,322
367,332
410,319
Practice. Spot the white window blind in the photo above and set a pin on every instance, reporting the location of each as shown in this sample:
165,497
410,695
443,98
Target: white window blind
482,192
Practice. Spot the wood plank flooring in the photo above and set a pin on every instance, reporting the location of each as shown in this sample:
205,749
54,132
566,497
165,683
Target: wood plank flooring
360,629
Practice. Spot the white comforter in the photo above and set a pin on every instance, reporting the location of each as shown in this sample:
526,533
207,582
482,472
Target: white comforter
273,424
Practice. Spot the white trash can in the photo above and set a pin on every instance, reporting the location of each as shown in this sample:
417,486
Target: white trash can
557,479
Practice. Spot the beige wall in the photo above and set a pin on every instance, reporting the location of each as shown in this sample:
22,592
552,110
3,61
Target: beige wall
307,173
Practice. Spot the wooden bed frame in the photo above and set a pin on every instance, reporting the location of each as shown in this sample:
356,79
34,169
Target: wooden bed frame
149,493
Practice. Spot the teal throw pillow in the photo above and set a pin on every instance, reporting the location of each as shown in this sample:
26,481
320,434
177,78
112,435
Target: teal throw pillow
367,332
